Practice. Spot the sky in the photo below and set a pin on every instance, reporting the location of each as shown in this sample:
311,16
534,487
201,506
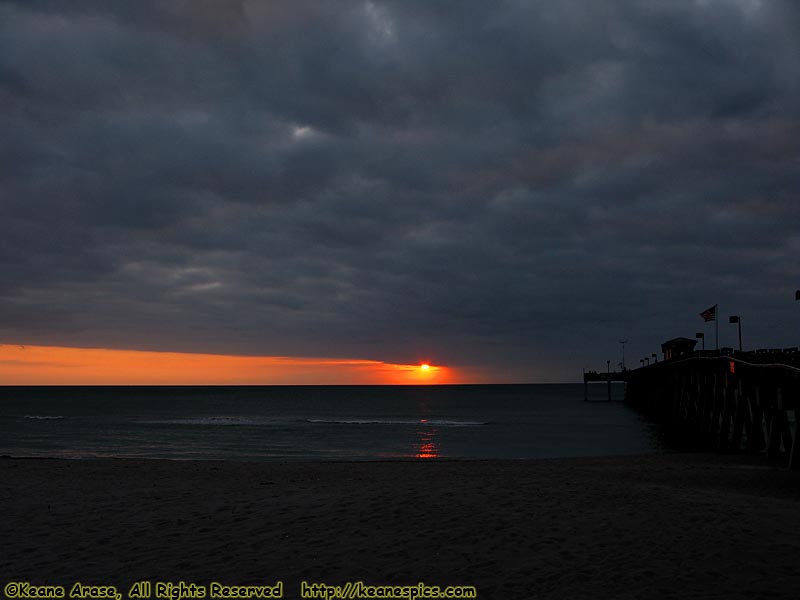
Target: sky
336,192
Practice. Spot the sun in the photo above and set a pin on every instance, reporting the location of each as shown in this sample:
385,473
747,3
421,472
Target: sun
425,366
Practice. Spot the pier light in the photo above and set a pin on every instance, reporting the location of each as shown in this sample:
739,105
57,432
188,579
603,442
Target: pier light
622,343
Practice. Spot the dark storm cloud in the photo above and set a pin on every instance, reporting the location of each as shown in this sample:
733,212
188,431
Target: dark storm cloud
507,183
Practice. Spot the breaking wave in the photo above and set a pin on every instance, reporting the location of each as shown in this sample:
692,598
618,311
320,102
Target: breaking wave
423,422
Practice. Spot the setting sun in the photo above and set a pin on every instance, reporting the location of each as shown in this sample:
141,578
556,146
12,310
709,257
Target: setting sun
425,367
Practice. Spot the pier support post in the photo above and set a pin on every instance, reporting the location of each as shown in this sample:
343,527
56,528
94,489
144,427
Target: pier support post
740,406
794,456
718,402
755,433
786,428
774,424
727,397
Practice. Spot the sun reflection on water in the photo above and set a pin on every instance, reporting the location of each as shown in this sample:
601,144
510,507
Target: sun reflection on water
426,444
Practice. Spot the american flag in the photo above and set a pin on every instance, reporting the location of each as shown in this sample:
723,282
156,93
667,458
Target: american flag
709,314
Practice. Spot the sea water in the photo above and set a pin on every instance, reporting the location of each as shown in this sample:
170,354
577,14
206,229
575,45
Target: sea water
320,422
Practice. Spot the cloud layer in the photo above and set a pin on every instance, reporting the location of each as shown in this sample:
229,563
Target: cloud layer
514,185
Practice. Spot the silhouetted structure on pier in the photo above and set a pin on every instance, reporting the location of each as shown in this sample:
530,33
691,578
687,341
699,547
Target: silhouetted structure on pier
733,401
677,347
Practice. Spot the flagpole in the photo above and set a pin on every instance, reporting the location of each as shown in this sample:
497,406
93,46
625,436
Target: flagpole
716,322
739,322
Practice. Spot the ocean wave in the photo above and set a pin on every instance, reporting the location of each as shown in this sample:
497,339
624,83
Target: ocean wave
205,421
43,417
423,422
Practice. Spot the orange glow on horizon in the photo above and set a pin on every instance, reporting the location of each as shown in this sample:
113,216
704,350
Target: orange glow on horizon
54,365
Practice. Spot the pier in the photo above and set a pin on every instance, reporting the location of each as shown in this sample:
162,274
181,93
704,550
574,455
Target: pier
725,400
595,377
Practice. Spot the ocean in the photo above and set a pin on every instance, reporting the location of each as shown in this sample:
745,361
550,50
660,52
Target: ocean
320,422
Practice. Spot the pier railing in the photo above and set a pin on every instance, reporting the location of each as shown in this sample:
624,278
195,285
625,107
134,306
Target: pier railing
729,401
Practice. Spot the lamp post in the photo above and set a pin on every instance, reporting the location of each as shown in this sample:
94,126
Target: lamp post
623,342
655,357
736,319
701,336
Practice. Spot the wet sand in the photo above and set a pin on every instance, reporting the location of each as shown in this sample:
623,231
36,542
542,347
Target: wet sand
660,526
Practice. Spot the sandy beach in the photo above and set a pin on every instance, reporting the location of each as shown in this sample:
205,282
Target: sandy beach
660,526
